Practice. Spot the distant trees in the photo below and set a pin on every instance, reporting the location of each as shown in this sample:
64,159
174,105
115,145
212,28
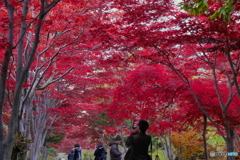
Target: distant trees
203,54
39,40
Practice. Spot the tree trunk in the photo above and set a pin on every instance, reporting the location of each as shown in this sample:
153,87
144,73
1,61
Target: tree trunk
204,136
44,152
2,95
12,128
229,140
40,123
4,71
167,148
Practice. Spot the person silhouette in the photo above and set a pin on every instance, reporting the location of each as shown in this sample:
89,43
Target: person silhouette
115,154
139,142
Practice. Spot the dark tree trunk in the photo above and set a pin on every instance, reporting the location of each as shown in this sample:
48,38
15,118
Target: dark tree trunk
204,136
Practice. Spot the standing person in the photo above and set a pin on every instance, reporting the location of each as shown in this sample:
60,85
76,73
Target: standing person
71,155
115,154
135,130
77,152
100,153
139,142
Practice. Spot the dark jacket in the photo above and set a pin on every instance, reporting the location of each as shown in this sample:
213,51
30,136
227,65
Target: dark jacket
100,154
115,154
139,144
78,153
71,155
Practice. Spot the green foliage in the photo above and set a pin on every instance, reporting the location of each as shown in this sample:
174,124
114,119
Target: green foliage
88,154
224,13
157,147
52,150
20,147
217,141
195,7
61,155
104,120
199,7
50,158
54,139
189,144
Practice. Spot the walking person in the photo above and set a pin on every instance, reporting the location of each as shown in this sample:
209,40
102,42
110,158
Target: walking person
139,142
77,152
71,155
100,153
115,154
